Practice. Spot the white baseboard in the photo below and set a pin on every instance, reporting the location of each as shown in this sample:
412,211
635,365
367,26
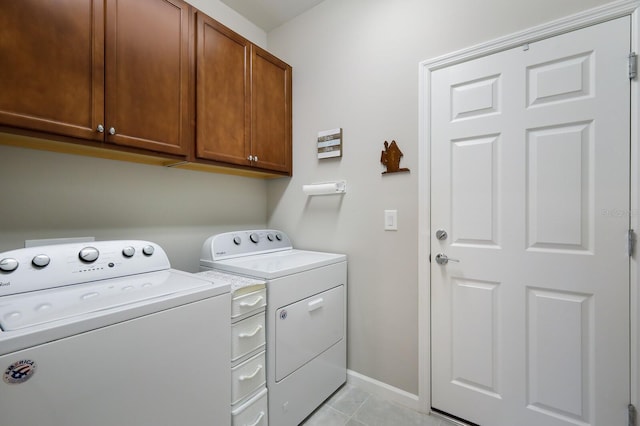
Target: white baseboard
383,390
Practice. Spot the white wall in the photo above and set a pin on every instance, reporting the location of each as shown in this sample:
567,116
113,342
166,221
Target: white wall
51,195
229,17
355,66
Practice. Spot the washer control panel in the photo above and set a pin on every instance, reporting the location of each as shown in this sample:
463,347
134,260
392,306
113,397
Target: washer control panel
38,268
244,243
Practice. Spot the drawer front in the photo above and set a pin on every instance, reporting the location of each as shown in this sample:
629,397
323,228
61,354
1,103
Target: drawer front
248,303
247,377
253,412
247,336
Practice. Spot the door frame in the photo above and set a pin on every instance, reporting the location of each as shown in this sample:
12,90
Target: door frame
589,17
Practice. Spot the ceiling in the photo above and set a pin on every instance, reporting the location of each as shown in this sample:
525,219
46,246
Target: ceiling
269,14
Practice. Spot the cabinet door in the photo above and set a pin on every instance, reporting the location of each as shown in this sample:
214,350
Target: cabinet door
222,93
271,111
147,74
52,72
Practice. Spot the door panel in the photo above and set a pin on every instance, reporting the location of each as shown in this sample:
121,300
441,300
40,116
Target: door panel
530,155
559,327
270,111
45,84
223,130
147,75
474,193
569,186
307,328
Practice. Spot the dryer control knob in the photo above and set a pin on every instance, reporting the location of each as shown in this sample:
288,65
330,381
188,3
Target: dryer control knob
128,251
41,260
237,240
148,250
254,238
270,237
8,264
279,237
89,254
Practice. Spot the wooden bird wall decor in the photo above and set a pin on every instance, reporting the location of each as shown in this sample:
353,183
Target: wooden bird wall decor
390,157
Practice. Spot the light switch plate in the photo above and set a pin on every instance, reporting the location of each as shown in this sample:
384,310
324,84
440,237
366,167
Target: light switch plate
391,220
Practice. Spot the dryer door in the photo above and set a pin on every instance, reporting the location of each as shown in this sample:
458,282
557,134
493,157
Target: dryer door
307,328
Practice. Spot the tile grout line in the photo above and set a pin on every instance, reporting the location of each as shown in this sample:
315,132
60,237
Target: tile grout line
353,416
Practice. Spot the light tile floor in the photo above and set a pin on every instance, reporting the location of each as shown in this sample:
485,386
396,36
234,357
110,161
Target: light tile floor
351,406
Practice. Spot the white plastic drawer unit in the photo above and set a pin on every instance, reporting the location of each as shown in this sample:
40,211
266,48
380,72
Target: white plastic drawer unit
253,412
307,328
245,303
247,377
247,336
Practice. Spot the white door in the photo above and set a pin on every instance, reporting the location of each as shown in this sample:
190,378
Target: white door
530,181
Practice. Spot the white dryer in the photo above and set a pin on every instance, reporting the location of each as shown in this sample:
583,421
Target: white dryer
306,315
106,333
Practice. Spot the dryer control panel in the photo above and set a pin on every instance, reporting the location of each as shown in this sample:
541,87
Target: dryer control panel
244,243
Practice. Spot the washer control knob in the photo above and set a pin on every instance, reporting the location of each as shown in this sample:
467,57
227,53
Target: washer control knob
128,251
237,240
41,260
89,254
148,250
8,264
279,237
254,238
270,237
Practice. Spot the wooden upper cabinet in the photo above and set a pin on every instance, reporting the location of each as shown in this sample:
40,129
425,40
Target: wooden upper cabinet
52,72
147,75
270,111
243,108
80,68
125,73
223,106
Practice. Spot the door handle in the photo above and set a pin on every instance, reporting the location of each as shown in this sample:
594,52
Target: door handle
315,304
443,259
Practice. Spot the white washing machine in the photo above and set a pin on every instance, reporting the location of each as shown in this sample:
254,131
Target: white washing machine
306,316
105,334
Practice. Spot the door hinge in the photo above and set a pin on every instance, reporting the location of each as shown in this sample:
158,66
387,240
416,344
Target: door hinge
631,242
633,65
631,419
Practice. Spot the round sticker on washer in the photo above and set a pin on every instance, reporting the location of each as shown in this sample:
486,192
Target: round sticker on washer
19,371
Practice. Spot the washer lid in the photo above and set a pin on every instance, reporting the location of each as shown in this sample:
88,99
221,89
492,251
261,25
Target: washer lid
21,311
280,263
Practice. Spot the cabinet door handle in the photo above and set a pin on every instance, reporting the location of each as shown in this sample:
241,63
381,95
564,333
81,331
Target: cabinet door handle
258,419
251,304
255,158
253,333
100,128
250,158
250,376
112,130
